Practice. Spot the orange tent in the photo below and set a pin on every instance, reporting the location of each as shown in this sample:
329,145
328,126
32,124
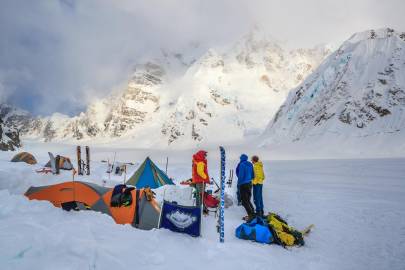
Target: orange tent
143,212
24,157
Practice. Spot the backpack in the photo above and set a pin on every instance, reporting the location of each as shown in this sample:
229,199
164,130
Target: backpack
283,234
256,230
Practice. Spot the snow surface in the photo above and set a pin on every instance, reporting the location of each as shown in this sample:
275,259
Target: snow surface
357,206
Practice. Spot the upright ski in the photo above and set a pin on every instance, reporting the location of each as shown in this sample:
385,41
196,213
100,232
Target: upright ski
222,200
87,160
53,162
79,160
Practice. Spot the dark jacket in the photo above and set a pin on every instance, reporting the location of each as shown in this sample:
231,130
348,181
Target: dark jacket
244,170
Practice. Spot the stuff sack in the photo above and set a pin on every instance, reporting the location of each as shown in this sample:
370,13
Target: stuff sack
283,234
257,230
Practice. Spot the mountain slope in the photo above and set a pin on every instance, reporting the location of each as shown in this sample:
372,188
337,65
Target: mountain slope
191,98
357,92
9,138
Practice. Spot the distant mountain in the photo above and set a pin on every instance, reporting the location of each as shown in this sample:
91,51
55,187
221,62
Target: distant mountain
194,97
357,92
9,138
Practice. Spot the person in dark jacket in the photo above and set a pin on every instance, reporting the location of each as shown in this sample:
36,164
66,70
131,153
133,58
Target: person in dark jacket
245,174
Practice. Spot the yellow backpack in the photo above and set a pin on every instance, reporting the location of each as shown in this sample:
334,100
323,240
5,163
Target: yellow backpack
283,234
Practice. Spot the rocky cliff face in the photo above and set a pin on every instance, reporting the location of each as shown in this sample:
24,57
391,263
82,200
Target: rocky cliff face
9,138
358,91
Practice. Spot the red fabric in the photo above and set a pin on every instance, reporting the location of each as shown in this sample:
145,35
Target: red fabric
210,201
200,157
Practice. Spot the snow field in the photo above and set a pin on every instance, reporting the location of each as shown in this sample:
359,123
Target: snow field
357,206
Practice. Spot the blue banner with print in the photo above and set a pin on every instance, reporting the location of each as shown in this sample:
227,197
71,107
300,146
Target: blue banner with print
182,219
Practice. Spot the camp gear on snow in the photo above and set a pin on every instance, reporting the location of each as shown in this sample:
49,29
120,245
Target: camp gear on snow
258,173
24,157
255,230
141,213
258,198
244,170
64,163
200,170
121,196
211,203
230,179
44,170
283,234
149,175
182,219
210,200
76,206
245,195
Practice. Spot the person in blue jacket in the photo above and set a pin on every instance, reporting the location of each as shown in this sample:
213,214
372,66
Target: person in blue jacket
245,174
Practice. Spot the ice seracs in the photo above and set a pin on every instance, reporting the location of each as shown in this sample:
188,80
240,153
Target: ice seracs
358,91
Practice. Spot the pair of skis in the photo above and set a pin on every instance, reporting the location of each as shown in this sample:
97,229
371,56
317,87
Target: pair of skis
83,166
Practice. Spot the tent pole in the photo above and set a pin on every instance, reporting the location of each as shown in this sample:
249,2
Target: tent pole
202,207
167,162
112,166
125,173
161,208
109,169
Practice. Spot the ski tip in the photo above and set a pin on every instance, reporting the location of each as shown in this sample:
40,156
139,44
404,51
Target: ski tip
308,229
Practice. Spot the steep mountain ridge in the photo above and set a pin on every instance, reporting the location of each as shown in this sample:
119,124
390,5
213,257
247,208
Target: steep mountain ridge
357,92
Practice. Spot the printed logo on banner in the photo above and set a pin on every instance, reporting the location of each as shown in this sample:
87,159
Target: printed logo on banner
180,219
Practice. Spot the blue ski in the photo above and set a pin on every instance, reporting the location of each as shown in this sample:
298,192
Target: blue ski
222,200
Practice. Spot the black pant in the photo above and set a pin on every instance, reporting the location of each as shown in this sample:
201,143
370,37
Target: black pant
245,195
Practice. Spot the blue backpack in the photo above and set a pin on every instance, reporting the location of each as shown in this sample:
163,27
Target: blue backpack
256,230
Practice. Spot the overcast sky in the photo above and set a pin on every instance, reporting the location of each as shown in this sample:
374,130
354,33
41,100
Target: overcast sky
59,55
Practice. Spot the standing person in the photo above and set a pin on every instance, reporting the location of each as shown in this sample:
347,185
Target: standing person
200,174
245,174
258,185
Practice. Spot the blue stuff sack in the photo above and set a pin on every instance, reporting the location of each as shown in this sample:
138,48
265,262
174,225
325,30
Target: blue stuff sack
256,230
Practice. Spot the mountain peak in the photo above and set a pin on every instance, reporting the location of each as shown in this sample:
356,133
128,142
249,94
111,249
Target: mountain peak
380,33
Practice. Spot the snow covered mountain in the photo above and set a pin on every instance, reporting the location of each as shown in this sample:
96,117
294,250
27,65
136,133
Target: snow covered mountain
357,92
9,138
188,98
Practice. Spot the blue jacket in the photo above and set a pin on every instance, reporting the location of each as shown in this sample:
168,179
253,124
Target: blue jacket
244,170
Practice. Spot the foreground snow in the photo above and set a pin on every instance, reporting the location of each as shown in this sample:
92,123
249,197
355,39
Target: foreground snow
357,206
